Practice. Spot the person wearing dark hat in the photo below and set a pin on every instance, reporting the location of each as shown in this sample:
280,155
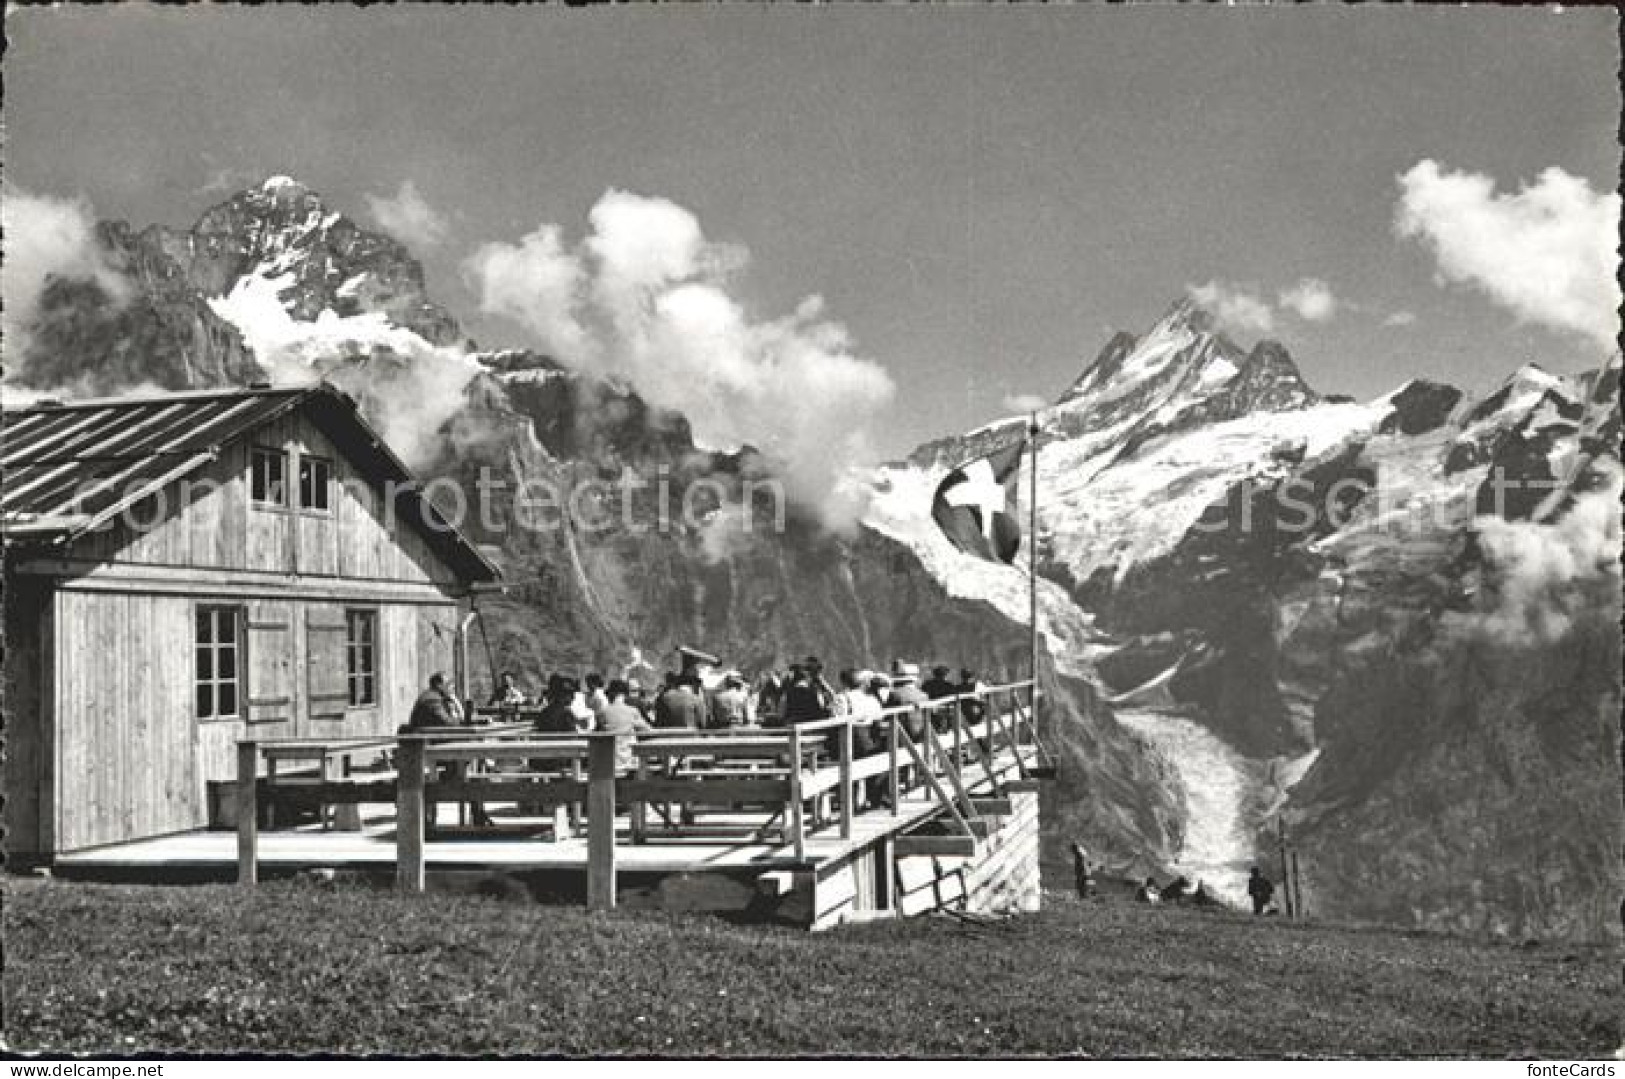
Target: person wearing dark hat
803,703
971,707
556,716
938,687
826,692
682,705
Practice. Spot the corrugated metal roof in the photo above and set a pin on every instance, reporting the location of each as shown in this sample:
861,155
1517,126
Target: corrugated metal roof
68,467
82,459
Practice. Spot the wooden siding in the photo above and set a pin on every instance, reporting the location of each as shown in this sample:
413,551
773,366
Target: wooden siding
27,653
217,527
1001,879
131,758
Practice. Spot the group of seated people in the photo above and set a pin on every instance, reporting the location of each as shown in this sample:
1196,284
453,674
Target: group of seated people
699,699
702,698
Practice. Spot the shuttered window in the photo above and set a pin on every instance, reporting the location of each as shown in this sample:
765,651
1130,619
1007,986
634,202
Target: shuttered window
217,661
268,477
361,656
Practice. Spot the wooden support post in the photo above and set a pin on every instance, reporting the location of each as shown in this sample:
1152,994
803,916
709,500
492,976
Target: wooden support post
1297,885
601,822
936,785
951,771
798,823
894,791
248,813
997,720
409,807
639,810
846,779
963,740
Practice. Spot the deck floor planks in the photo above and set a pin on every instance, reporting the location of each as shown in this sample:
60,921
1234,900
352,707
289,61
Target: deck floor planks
374,846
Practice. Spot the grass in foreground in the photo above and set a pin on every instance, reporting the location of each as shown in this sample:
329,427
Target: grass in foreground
301,968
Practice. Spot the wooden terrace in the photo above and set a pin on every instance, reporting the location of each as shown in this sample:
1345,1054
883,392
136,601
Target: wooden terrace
775,810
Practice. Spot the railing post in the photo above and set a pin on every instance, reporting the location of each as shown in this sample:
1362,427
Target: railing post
600,822
248,813
955,715
846,779
639,811
798,824
895,790
409,871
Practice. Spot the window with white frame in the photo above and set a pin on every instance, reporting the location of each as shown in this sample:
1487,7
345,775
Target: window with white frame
361,656
315,476
218,663
268,477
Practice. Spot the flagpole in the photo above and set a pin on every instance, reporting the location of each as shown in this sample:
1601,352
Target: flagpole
1032,555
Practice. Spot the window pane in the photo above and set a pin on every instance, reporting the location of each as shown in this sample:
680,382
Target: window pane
205,622
313,477
367,690
226,626
205,664
228,699
268,480
228,663
205,700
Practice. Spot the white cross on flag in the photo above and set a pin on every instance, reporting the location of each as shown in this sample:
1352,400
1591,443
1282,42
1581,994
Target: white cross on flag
975,505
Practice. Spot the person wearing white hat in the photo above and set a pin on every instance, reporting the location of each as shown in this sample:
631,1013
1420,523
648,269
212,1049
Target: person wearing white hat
906,690
728,703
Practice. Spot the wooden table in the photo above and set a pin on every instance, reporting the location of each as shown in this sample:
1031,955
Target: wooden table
319,753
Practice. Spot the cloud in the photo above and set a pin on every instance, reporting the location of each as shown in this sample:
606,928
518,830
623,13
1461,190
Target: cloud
1310,299
406,385
1400,318
1545,252
1024,402
46,237
1548,575
644,297
408,217
1235,309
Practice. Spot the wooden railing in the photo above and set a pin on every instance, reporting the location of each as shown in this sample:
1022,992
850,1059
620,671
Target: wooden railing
783,768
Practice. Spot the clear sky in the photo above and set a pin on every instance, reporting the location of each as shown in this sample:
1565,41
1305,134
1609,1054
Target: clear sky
981,195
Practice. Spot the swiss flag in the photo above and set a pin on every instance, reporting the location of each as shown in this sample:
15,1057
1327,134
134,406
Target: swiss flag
975,505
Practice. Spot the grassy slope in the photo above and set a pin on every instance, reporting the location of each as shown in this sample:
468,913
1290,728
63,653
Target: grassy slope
300,968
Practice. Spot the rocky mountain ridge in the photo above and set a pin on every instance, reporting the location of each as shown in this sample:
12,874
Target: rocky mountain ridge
1325,585
1320,584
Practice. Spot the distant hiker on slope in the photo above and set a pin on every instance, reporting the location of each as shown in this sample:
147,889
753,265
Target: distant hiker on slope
1261,890
1081,876
1147,892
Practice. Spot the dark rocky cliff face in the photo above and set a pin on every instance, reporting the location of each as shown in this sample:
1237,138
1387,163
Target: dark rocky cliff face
162,334
1467,785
